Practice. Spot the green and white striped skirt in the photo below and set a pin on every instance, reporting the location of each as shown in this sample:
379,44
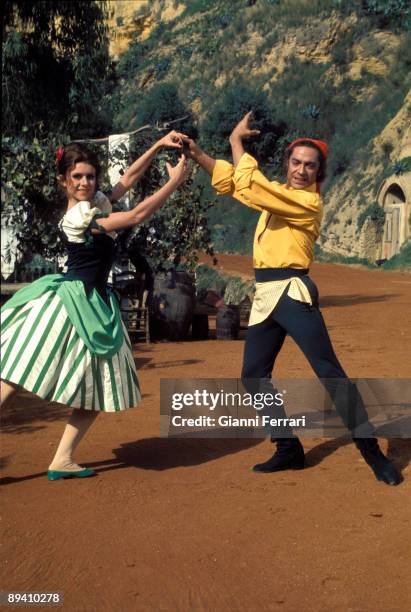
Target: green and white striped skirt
42,351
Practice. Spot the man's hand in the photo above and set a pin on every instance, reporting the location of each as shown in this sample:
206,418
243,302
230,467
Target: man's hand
243,130
190,148
193,151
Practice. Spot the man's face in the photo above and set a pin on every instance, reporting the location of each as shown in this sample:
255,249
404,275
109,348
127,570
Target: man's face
303,167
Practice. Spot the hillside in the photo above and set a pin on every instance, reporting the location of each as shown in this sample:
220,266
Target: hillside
329,69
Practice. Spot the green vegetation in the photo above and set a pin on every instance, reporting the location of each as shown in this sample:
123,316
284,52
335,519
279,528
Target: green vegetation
52,52
210,65
384,14
217,60
56,71
209,279
233,288
160,105
229,107
402,166
174,235
237,290
326,256
375,213
401,260
32,203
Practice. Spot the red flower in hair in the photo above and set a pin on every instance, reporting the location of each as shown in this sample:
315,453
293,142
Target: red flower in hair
59,154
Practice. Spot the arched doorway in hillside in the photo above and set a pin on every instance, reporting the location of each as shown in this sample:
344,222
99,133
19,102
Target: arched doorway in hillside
394,204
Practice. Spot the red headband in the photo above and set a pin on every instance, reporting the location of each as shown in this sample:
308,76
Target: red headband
323,146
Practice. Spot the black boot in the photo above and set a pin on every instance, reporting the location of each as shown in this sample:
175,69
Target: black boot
288,456
381,466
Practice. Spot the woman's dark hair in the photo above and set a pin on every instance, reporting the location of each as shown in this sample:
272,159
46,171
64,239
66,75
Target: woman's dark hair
321,174
75,153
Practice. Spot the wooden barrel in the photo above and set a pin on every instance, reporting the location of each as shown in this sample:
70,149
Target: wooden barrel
228,323
171,303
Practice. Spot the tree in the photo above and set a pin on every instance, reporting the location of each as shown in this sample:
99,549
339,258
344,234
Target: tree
230,106
56,72
55,75
158,105
174,235
33,203
55,66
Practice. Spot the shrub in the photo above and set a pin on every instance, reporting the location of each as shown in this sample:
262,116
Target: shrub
172,237
401,260
162,104
233,288
194,7
230,106
373,212
387,148
237,289
402,165
209,279
388,12
394,14
232,226
32,203
326,256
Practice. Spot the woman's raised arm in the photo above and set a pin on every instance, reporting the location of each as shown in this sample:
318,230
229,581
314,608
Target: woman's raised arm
137,168
121,220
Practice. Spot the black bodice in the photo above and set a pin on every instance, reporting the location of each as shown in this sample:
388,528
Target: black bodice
91,262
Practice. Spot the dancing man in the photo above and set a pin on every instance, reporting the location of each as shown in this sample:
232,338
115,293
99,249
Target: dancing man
286,299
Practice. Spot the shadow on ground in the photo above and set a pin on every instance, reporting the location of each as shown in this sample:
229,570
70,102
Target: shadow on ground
160,454
327,301
166,453
28,413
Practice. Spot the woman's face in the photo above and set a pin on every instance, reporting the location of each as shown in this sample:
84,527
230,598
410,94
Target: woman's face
80,182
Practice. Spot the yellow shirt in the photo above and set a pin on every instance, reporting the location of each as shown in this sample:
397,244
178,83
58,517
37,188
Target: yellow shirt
290,218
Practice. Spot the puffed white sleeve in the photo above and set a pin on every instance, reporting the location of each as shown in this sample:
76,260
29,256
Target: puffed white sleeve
77,220
102,202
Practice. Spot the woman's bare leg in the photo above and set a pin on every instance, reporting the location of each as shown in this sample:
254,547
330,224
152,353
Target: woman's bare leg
78,424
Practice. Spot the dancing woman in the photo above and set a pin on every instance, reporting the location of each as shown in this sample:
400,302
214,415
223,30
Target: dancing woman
286,299
62,336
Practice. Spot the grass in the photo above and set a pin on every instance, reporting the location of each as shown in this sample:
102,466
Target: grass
327,257
400,261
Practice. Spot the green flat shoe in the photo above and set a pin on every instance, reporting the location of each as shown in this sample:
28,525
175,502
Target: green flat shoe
56,475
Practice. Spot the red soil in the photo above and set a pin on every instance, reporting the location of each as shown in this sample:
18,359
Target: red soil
185,525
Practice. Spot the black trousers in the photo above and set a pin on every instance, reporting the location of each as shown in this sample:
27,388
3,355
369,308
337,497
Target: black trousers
305,324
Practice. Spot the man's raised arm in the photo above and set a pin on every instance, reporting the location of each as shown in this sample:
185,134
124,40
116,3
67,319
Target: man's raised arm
192,150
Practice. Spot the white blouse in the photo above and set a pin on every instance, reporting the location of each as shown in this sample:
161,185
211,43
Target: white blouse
78,218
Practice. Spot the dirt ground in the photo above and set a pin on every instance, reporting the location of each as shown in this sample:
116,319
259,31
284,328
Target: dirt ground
185,525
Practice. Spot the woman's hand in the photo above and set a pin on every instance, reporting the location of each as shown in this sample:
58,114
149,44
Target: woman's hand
173,140
137,168
180,172
243,130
